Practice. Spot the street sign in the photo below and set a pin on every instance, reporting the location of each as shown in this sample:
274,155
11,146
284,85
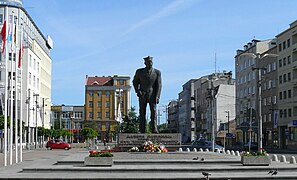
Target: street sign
294,122
230,135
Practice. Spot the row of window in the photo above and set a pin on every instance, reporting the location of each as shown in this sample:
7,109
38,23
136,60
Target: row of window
252,75
285,113
284,61
284,45
66,115
100,93
35,81
245,64
269,100
35,64
285,94
284,78
247,91
99,114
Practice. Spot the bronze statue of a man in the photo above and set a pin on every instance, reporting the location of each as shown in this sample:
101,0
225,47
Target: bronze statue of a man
147,84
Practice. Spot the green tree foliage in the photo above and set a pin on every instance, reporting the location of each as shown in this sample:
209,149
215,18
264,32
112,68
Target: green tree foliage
2,121
130,122
89,133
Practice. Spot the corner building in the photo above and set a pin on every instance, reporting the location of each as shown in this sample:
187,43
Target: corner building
107,99
33,82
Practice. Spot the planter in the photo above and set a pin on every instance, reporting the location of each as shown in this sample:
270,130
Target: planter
98,161
255,160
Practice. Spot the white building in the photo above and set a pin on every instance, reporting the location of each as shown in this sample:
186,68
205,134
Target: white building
34,72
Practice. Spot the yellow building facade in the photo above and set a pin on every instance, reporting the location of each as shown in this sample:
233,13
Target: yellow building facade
107,100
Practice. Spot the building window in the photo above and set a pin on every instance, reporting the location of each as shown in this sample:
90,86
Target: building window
90,115
99,93
288,42
289,93
273,66
90,93
121,81
107,105
30,60
107,93
280,79
99,115
285,94
289,76
281,113
99,104
280,95
289,59
90,104
285,113
274,99
280,47
107,115
280,63
30,79
289,112
284,45
284,61
34,85
285,78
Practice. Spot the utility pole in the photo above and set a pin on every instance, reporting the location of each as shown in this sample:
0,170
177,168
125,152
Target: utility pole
36,106
228,118
193,122
29,129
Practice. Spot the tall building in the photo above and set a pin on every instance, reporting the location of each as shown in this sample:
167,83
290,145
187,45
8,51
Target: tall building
173,107
269,97
215,100
69,118
247,106
29,65
107,99
287,86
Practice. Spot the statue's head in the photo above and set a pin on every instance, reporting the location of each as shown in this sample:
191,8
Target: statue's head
148,61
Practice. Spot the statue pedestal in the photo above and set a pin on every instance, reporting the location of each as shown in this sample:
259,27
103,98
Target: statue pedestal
172,141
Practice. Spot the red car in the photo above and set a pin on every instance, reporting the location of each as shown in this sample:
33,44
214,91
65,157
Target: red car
57,144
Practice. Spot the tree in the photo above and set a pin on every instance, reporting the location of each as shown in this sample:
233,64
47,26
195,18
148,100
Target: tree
89,133
2,121
130,122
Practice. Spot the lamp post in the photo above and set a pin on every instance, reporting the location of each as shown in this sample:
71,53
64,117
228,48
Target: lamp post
228,118
36,106
258,57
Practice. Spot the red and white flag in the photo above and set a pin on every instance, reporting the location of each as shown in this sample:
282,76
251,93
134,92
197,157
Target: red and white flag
21,52
3,36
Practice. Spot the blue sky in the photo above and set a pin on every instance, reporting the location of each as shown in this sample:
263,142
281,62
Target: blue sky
107,37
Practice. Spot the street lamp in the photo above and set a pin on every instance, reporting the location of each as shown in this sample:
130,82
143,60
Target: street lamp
259,57
36,106
228,117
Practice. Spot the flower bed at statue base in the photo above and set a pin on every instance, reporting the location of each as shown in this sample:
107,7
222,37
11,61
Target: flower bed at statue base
260,158
103,158
150,147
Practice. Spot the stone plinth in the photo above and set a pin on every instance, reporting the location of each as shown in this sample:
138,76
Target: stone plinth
98,161
255,160
170,140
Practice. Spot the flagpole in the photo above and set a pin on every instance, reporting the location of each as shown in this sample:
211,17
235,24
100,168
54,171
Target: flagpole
21,94
5,86
11,98
16,93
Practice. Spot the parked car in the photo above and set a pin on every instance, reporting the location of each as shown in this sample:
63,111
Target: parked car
57,144
204,145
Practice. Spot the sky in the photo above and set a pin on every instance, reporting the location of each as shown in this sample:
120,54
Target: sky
187,38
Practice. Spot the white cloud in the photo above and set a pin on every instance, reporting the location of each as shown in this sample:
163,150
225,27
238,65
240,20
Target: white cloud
166,11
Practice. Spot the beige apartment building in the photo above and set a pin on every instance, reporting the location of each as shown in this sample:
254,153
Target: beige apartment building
287,87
